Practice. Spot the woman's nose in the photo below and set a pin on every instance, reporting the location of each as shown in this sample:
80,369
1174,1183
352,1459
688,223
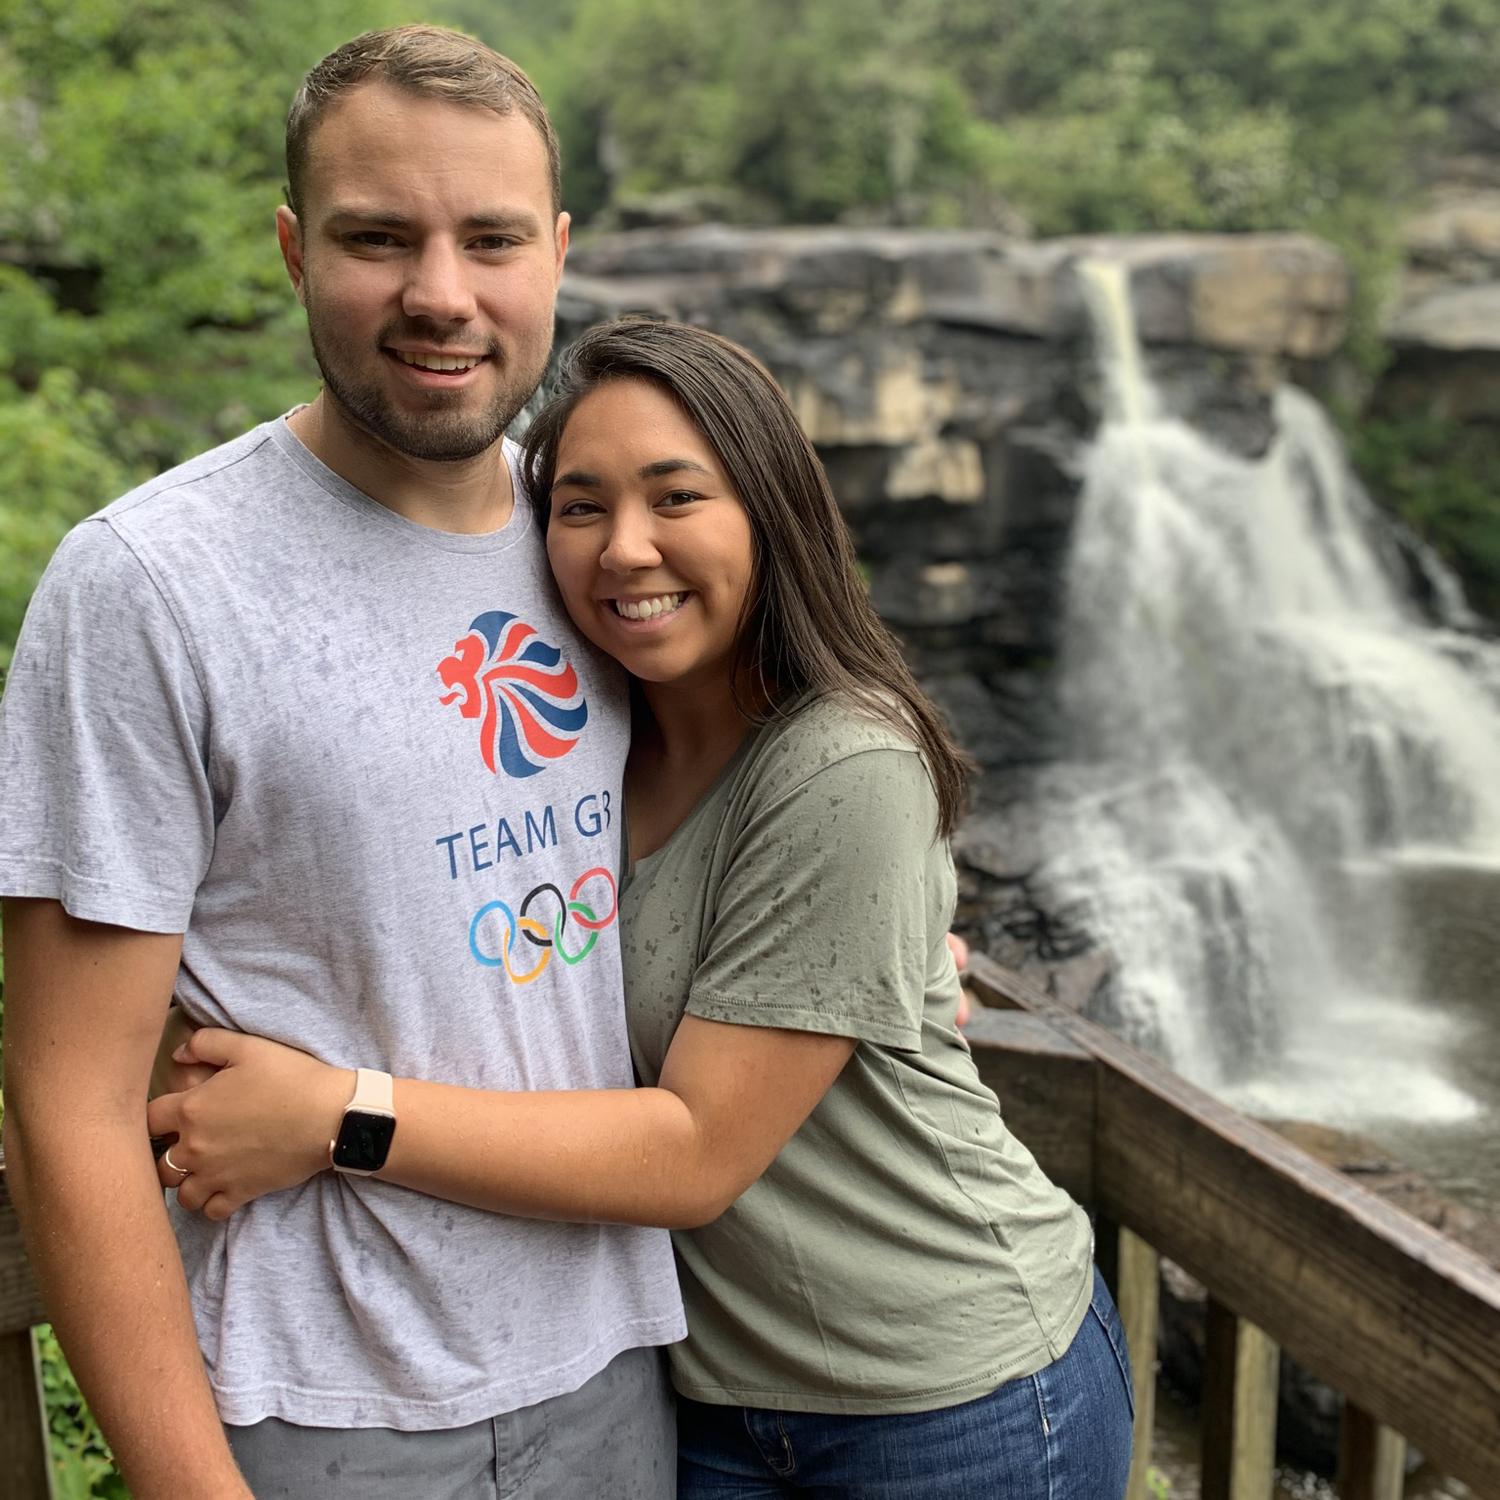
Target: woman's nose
631,545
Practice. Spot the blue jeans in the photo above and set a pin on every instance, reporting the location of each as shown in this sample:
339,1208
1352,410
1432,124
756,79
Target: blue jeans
1061,1434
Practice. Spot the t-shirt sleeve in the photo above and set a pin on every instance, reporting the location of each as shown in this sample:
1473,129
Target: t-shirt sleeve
105,800
824,917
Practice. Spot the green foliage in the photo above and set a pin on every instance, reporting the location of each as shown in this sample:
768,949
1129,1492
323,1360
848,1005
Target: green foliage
55,466
1126,149
143,308
786,110
1439,476
81,1462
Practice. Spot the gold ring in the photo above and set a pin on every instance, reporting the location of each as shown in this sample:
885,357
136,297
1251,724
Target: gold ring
166,1156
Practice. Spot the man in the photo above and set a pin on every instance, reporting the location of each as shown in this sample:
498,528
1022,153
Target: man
298,731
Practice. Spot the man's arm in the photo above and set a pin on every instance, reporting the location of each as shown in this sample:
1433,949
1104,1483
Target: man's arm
84,1009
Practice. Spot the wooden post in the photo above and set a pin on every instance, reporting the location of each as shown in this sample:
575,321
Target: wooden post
25,1466
1372,1458
1239,1408
1133,1270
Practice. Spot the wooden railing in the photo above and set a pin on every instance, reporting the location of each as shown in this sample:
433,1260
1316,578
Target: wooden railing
1403,1322
25,1473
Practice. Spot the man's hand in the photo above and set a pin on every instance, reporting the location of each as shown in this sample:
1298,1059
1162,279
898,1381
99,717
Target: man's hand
261,1122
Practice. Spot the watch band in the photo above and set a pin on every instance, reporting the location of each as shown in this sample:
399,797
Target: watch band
373,1091
366,1127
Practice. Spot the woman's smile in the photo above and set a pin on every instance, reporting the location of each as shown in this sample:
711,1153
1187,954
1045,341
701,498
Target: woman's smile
649,609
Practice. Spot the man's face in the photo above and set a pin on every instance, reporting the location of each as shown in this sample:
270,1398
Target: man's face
427,256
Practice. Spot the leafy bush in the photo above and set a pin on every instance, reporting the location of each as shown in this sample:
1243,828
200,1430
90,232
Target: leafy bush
1439,476
81,1462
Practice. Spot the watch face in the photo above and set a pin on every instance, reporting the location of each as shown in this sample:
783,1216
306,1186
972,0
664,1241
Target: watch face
363,1141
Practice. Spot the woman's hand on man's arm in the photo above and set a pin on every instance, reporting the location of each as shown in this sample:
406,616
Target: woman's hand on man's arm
675,1156
260,1123
168,1074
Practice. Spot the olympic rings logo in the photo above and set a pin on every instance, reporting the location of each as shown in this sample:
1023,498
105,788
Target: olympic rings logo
537,933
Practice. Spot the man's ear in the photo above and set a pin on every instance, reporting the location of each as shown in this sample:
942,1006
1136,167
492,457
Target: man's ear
289,237
560,240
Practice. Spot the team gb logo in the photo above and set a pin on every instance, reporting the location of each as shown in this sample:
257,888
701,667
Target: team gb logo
521,690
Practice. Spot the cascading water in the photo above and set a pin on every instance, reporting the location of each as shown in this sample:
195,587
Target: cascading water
1263,735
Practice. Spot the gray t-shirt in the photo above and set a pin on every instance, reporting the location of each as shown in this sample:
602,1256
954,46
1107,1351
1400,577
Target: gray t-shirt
903,1252
372,773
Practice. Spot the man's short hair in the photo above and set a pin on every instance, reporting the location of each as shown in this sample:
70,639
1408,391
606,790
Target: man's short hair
428,60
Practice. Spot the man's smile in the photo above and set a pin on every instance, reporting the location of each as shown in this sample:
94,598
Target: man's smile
431,369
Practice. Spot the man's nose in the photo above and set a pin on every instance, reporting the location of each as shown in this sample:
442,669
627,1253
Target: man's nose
631,545
438,287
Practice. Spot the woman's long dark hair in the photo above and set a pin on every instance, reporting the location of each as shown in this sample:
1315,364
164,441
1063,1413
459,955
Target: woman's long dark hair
808,624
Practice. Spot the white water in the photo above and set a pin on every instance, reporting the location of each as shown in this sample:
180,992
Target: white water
1259,722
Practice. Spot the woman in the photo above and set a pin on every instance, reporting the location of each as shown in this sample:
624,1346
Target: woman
885,1296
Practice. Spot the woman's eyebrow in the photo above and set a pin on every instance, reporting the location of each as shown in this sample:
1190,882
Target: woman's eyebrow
670,466
647,471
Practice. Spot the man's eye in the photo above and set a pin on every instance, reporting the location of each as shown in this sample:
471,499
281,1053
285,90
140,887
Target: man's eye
494,244
370,239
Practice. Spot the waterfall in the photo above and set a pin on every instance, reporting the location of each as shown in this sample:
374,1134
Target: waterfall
1262,733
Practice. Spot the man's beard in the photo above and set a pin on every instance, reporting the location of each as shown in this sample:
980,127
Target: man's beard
444,432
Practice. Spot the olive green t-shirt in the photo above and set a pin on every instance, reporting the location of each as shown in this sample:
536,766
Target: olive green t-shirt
903,1252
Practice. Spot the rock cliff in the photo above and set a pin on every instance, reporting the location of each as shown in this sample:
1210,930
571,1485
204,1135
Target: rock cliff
949,383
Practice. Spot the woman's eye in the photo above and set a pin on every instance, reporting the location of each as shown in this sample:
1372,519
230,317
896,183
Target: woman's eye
572,509
679,497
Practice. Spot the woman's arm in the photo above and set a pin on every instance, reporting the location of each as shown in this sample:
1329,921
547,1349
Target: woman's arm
676,1155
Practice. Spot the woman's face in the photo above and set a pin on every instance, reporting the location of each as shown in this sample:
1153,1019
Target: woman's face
648,540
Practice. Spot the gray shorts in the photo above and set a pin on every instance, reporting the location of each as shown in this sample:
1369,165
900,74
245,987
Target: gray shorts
614,1438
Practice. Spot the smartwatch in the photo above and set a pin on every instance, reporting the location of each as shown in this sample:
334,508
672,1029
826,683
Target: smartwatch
368,1127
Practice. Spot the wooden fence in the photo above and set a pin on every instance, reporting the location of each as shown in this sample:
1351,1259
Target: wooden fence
1402,1321
24,1470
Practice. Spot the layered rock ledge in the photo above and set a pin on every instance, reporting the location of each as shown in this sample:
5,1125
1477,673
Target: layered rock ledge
950,384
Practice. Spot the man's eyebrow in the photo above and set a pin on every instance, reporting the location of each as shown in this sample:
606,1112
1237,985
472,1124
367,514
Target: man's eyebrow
353,213
518,221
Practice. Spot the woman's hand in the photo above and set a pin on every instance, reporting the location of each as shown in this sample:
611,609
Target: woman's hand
168,1075
960,951
261,1123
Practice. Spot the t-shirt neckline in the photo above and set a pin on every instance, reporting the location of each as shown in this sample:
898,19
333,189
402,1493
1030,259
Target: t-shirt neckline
516,527
643,864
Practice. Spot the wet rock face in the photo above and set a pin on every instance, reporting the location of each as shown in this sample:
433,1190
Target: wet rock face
948,382
1444,328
